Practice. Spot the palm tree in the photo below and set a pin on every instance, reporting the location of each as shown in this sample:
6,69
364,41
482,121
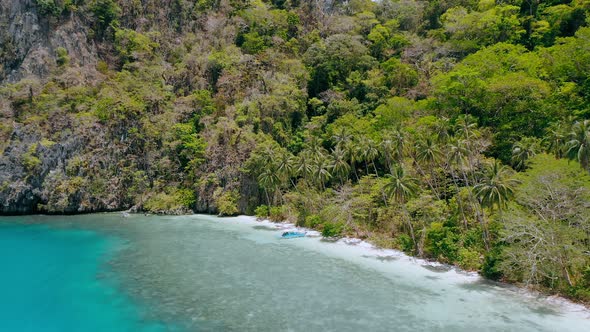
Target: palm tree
428,153
321,167
269,181
352,153
315,146
522,151
399,139
285,166
456,156
341,138
466,126
441,130
367,150
496,187
401,187
340,166
387,147
556,138
303,164
457,152
467,130
493,191
579,143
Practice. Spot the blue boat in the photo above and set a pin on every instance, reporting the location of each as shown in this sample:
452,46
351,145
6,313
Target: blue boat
292,235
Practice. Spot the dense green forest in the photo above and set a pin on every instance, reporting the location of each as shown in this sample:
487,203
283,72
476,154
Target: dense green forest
455,130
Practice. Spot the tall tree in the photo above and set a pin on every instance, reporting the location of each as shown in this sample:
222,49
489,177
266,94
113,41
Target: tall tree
321,170
496,187
579,144
340,166
522,151
401,187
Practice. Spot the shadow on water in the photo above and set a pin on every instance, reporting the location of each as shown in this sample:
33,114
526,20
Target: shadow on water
329,240
438,268
544,311
264,228
490,287
432,278
483,286
382,258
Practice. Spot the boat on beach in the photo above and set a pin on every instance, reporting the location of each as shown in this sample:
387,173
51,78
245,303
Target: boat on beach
292,234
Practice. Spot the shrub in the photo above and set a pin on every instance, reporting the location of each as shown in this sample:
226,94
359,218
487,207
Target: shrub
313,221
253,43
185,197
469,259
175,200
442,242
30,160
106,13
46,143
131,45
491,264
160,202
331,229
48,7
277,214
227,203
405,243
261,212
62,57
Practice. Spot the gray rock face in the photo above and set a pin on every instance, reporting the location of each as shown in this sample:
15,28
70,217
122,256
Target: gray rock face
28,44
28,41
21,189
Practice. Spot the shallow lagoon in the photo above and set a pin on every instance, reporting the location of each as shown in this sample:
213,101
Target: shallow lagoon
104,272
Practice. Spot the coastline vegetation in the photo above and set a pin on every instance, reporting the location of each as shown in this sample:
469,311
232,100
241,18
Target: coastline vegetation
454,130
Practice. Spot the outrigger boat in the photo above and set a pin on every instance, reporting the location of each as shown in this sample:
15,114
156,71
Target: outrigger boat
292,234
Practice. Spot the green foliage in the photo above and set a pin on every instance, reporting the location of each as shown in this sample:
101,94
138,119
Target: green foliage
106,14
492,261
227,203
262,212
189,146
470,30
62,57
334,59
47,143
253,43
331,229
132,45
173,200
314,221
30,159
406,243
442,243
469,259
49,7
277,214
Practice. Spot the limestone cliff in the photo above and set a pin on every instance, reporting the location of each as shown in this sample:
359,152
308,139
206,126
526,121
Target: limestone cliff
29,41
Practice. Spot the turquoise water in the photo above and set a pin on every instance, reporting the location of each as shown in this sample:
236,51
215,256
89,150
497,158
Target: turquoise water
51,281
105,272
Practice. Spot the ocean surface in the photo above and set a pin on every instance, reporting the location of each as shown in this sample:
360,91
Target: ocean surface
107,272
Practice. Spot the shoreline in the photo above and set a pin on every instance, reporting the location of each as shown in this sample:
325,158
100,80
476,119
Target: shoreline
577,308
383,254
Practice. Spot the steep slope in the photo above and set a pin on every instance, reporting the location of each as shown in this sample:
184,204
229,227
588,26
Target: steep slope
30,41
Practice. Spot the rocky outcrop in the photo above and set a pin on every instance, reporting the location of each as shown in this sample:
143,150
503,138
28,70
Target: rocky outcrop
24,166
29,41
